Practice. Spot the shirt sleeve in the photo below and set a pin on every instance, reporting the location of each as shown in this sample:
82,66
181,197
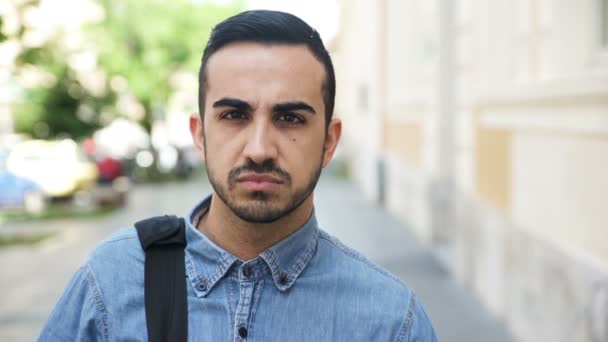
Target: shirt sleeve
80,313
417,326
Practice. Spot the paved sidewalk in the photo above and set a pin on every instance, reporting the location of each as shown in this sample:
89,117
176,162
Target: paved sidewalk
456,314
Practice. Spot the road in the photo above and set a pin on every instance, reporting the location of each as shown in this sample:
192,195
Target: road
33,277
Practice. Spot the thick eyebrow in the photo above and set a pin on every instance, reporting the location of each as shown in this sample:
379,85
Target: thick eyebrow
291,106
232,102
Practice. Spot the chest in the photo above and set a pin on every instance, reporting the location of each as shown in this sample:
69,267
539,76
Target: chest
257,311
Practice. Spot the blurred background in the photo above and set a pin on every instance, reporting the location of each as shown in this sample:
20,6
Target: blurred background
476,129
484,125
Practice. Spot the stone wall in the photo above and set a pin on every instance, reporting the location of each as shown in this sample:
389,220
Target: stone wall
543,290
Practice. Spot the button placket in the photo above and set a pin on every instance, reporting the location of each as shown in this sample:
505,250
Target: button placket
243,309
247,271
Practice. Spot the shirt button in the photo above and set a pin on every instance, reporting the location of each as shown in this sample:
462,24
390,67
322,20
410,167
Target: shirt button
283,278
247,271
202,286
243,332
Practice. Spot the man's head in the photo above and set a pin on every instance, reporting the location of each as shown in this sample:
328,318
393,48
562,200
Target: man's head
265,128
269,27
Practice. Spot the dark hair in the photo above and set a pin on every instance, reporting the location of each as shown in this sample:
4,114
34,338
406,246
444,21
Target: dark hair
269,27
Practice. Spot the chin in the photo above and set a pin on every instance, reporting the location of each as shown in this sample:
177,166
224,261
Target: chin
256,213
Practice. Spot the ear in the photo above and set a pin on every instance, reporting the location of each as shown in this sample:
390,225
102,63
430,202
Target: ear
334,131
198,134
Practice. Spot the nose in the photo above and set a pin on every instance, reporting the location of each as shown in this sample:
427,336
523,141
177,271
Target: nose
261,143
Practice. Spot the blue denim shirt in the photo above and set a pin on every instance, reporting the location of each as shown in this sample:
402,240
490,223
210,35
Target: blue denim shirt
308,287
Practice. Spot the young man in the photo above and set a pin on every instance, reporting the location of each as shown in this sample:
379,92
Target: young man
258,266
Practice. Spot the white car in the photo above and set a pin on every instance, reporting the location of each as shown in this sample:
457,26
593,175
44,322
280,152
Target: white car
57,166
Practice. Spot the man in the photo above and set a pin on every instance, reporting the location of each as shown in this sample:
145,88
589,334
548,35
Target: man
258,266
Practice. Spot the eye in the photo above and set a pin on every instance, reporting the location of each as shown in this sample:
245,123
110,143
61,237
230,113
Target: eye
233,115
290,118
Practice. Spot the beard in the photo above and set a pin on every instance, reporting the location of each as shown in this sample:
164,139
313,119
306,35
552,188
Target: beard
262,206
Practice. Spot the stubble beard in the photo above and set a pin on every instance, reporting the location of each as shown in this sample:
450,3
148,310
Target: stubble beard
259,207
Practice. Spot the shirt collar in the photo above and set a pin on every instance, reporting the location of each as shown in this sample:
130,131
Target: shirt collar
207,263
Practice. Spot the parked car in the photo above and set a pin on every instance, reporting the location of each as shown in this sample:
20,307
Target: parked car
112,184
21,194
58,167
113,193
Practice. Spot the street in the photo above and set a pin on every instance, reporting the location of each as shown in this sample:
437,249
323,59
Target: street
33,277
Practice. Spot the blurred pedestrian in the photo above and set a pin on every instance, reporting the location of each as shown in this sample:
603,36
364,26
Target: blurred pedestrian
256,266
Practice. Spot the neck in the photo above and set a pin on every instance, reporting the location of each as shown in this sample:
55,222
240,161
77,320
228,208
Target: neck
247,240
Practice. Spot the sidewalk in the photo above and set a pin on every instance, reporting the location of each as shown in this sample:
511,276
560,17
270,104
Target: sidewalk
457,316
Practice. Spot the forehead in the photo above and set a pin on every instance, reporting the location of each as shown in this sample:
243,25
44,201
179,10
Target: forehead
259,72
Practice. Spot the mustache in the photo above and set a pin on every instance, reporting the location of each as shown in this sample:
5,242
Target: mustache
268,166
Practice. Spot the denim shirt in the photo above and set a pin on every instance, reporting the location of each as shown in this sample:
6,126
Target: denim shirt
307,287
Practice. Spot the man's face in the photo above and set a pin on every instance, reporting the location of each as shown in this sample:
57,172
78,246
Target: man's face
264,139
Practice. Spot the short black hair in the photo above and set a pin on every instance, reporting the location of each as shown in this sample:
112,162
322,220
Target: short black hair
266,26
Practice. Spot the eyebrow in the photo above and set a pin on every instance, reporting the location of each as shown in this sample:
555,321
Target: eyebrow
232,102
291,106
279,107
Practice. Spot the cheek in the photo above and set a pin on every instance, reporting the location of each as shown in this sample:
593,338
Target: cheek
219,154
302,154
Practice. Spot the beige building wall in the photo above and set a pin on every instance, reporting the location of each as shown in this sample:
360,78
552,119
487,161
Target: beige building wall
385,97
547,85
356,62
521,218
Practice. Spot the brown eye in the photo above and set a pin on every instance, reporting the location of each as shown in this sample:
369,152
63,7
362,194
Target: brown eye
290,118
233,115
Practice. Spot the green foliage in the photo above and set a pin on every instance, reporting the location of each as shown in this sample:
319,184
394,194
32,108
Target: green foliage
50,109
21,239
56,106
3,37
148,41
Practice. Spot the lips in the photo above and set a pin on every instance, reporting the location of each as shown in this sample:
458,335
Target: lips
259,178
259,182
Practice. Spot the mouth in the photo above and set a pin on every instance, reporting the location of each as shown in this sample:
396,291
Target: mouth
259,182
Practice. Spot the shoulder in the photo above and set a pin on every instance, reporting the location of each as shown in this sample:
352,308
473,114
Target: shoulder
118,253
123,242
347,259
110,277
362,280
386,298
116,269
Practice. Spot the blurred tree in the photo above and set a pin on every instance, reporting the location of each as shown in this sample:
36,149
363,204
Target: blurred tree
143,43
61,107
3,37
55,102
147,42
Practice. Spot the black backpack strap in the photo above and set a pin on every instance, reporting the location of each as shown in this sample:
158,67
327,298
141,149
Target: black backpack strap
163,239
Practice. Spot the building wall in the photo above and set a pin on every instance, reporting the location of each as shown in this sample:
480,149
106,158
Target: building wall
490,122
356,61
